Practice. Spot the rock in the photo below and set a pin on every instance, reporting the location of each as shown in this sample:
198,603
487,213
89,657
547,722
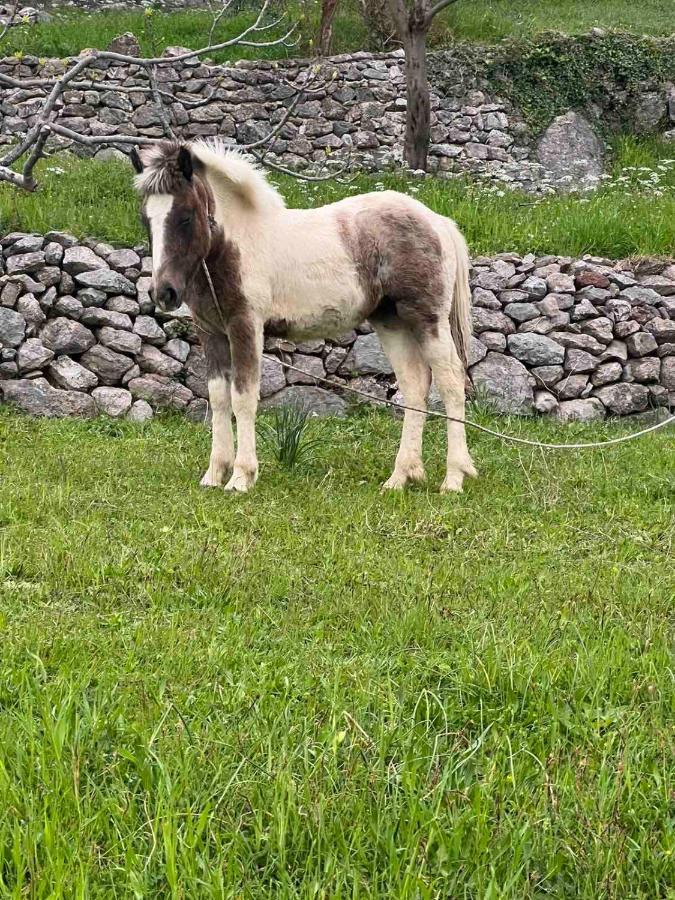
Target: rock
570,149
643,370
493,340
122,304
178,349
559,283
95,317
624,399
69,306
111,154
10,294
640,343
65,373
571,387
577,341
521,312
119,341
140,411
38,398
485,299
124,259
316,400
606,373
272,378
151,359
160,391
12,327
126,44
312,365
89,297
476,351
615,350
535,349
599,329
366,357
650,110
668,373
106,280
195,369
26,263
106,364
65,336
544,402
579,361
198,411
535,287
623,329
641,295
147,329
32,355
31,243
491,320
112,401
505,382
547,375
583,309
591,278
590,410
80,259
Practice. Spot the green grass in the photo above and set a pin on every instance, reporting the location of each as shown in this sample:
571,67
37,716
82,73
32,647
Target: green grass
633,215
319,691
473,20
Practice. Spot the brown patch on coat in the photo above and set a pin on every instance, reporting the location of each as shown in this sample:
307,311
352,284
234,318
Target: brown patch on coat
398,260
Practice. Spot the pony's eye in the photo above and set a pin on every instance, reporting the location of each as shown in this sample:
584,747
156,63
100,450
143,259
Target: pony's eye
185,222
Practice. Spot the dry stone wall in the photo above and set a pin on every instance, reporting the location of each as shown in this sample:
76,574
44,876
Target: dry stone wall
360,116
578,339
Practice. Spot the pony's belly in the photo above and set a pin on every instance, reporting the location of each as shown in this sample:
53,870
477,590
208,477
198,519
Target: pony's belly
324,322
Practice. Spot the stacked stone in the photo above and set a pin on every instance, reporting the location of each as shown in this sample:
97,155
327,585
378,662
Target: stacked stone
360,114
578,338
79,335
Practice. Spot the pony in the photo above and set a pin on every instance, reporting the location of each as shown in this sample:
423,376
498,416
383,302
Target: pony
223,242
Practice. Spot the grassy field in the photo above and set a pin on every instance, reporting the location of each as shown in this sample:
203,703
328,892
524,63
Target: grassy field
633,214
319,691
478,20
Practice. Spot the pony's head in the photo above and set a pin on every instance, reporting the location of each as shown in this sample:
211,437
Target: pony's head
177,210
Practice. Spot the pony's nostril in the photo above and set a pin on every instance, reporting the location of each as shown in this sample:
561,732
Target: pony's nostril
167,297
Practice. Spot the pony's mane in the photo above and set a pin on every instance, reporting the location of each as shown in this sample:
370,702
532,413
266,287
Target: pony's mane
227,171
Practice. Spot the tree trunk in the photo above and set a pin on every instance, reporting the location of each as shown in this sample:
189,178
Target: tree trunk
328,8
418,113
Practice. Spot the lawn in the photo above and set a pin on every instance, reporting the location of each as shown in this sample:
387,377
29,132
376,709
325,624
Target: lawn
478,20
319,691
633,214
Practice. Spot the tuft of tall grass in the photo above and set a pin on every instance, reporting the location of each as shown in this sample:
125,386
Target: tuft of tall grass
285,433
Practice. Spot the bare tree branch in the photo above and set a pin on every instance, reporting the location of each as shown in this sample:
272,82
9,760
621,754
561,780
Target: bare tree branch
438,7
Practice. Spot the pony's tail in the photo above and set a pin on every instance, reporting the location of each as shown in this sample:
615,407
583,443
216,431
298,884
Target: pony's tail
460,312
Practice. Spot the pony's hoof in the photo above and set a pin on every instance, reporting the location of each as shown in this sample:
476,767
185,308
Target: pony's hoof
241,482
211,480
452,483
400,478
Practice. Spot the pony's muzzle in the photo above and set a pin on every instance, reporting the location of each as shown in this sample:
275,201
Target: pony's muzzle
166,297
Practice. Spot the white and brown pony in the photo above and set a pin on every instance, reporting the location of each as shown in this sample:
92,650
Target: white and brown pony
296,273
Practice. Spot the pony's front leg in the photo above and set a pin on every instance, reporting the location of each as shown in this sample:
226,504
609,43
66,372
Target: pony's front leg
246,343
219,377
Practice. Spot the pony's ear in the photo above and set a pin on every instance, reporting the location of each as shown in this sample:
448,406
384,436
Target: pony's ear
185,163
136,160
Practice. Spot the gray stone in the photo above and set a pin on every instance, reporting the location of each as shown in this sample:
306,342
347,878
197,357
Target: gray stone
615,350
367,357
38,398
272,378
31,243
10,294
491,320
151,359
148,329
120,341
579,361
90,297
535,349
140,411
32,355
12,327
535,287
521,312
583,309
160,391
80,259
505,383
311,365
65,336
68,306
122,304
65,373
493,340
317,401
476,351
641,343
485,299
26,263
599,329
120,260
590,410
106,364
95,317
606,373
547,375
195,372
115,402
644,370
641,295
544,402
668,373
559,283
177,348
570,149
107,280
571,387
624,399
662,329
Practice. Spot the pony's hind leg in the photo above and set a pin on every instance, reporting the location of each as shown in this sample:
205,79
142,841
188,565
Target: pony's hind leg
414,378
438,349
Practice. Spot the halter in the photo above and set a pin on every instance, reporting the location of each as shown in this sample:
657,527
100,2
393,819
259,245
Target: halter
216,302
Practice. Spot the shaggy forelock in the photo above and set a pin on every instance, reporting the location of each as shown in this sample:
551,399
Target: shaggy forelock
161,173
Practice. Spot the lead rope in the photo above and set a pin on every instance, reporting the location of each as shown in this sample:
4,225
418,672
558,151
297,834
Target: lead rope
431,412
